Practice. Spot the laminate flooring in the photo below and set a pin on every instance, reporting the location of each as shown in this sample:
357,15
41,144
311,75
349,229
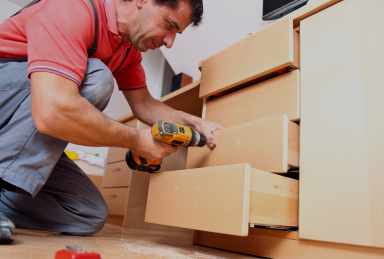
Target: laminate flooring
113,242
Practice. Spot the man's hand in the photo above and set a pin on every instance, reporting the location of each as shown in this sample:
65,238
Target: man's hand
150,111
206,128
149,148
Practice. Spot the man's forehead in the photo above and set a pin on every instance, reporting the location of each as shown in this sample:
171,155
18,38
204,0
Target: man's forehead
181,16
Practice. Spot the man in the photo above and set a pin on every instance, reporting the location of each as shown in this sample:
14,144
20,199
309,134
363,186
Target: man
63,97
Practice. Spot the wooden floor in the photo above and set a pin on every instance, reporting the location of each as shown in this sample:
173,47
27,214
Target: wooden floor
112,242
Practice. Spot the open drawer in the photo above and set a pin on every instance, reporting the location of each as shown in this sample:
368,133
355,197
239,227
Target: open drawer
222,199
261,53
270,144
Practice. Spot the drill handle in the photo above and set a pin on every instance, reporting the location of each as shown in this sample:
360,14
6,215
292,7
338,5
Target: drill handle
136,162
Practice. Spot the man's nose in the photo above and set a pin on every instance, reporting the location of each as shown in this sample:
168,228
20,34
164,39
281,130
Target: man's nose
169,39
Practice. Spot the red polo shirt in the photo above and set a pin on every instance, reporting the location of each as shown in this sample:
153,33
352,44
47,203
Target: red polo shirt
55,35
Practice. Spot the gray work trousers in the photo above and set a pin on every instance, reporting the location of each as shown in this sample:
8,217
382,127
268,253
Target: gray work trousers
49,192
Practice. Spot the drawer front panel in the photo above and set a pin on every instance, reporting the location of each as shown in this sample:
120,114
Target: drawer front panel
117,175
222,199
268,50
213,199
116,199
279,95
269,144
116,154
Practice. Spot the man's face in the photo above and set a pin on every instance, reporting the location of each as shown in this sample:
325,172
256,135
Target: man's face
152,26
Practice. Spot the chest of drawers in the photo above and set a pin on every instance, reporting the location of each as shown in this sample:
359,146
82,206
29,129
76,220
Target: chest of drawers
333,101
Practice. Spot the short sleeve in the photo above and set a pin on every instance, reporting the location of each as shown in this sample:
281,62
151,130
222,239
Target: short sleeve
58,36
131,76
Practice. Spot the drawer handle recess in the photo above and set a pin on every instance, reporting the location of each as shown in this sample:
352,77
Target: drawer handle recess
112,195
116,169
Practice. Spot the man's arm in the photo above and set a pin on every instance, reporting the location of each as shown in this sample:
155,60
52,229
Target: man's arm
60,111
150,111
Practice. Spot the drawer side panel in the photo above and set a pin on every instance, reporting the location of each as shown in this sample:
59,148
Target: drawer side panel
274,199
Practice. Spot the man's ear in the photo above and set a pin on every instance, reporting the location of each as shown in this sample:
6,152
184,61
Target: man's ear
141,3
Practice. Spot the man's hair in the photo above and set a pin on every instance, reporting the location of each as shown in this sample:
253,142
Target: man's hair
197,8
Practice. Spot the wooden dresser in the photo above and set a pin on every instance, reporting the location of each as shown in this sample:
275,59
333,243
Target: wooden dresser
303,94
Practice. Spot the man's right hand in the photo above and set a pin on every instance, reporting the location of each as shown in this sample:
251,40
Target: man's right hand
149,148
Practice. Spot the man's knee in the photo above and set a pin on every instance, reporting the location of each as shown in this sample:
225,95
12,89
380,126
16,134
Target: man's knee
93,222
98,84
100,219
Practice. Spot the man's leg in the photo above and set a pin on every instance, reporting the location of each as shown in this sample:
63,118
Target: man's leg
68,202
28,158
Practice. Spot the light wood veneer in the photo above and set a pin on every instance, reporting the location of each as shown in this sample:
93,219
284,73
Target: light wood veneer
279,95
222,199
116,199
274,47
116,175
342,126
269,144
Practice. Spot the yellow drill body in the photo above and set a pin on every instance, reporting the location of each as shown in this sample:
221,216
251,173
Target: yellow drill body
170,133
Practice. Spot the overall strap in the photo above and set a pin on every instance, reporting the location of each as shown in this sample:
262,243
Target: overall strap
92,50
28,5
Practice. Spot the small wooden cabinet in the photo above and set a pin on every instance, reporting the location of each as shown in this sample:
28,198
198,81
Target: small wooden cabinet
117,180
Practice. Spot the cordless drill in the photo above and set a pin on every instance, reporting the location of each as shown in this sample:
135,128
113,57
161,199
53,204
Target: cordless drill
170,133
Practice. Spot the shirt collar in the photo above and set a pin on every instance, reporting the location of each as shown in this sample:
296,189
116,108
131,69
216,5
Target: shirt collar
110,12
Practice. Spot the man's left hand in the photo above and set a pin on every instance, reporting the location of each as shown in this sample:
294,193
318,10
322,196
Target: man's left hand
206,128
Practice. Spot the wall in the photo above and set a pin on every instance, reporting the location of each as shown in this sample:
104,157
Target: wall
224,23
9,7
153,63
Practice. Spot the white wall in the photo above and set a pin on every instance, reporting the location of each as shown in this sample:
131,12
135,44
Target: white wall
9,7
225,22
153,63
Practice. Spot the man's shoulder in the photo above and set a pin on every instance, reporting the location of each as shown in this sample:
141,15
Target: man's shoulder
69,10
